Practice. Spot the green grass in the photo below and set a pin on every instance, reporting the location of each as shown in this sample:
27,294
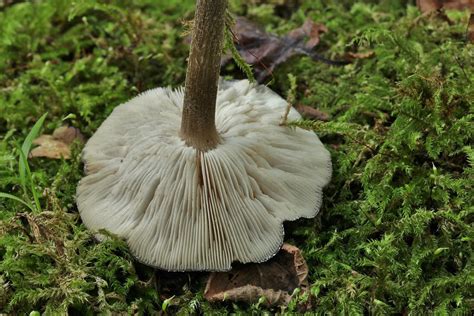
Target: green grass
395,234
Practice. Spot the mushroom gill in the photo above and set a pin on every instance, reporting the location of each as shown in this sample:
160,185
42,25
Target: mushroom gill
180,208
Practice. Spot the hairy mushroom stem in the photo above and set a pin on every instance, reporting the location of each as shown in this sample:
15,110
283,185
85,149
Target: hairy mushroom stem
186,200
198,127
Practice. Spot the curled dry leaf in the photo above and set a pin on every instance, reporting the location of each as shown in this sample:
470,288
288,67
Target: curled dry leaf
275,279
57,145
265,51
311,113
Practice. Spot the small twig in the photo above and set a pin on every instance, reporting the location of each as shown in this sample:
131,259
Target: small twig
284,118
290,99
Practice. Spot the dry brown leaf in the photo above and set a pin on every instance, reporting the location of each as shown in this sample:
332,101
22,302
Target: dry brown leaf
275,279
458,5
432,5
265,51
56,146
429,5
312,113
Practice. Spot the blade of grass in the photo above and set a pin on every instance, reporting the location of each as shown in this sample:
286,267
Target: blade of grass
25,149
30,180
12,197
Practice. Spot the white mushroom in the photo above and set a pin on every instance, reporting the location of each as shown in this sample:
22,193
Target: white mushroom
207,194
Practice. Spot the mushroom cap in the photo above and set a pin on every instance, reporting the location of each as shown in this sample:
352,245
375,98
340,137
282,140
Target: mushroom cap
182,209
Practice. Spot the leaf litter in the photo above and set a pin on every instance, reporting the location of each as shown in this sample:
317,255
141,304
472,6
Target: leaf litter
275,280
264,51
57,145
433,5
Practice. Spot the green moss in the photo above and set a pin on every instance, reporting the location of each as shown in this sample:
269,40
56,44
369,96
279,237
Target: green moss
395,232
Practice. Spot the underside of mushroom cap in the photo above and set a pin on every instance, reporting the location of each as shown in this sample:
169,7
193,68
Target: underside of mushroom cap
182,209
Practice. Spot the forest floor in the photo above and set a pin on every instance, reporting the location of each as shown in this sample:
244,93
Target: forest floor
395,233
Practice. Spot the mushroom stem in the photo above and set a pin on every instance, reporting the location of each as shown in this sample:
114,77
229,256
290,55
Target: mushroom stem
198,127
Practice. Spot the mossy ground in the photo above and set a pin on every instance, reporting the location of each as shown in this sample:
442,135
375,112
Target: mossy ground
395,232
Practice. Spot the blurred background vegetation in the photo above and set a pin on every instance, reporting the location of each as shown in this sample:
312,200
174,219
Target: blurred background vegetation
395,232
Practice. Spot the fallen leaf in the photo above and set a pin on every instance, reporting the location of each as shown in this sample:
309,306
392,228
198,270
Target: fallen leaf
265,51
429,5
311,113
458,5
56,146
432,5
275,279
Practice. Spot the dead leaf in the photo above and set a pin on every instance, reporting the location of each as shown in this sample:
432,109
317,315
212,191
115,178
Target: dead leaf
56,146
265,51
311,113
458,5
275,279
429,5
433,5
470,29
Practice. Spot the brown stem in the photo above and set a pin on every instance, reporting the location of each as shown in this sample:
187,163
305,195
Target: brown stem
198,127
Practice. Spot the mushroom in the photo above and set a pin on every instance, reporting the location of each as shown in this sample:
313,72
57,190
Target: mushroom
197,178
